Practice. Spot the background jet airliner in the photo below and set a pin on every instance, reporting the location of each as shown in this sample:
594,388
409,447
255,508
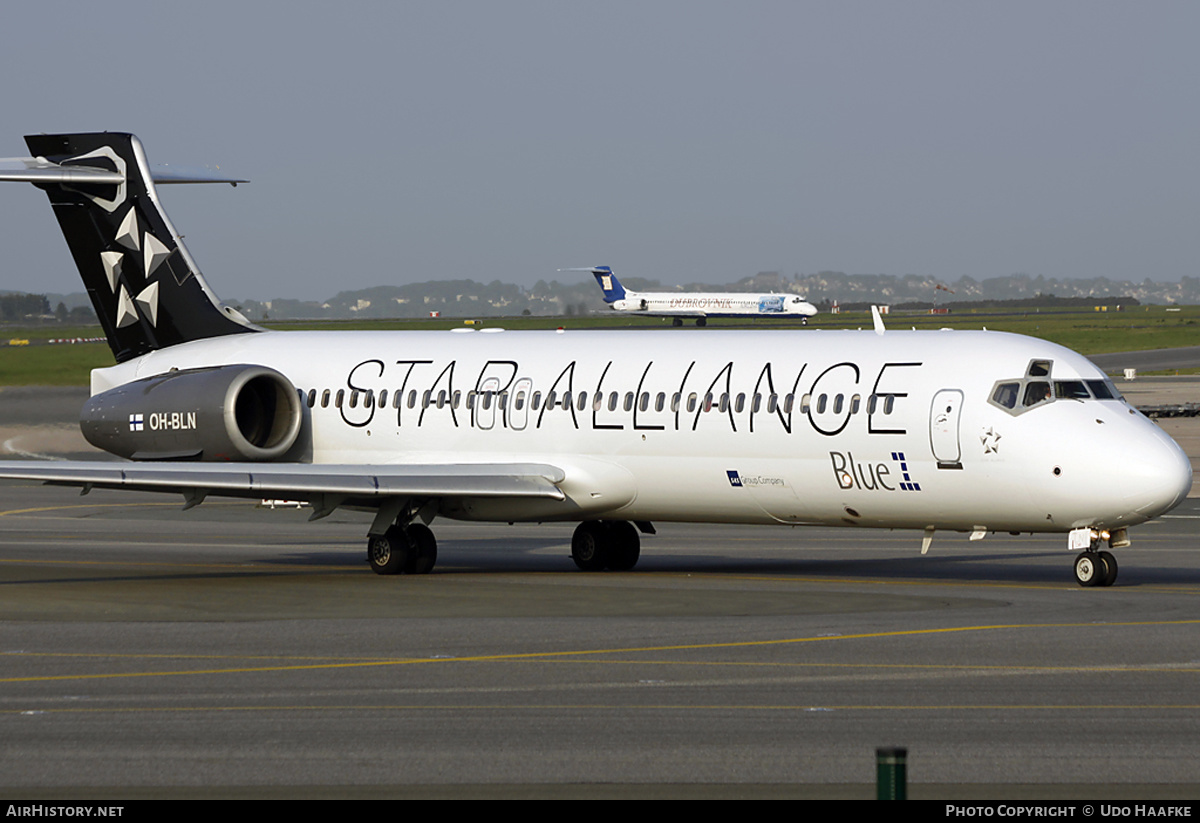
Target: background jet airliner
967,431
700,305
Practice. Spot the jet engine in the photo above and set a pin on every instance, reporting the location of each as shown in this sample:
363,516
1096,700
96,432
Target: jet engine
237,412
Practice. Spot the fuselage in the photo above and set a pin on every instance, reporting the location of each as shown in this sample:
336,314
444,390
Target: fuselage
900,430
715,304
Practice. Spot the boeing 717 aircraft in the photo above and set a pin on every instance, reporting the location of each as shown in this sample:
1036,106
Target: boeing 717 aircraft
700,305
615,430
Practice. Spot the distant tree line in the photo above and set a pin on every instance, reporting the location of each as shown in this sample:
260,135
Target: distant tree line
1044,301
23,306
15,307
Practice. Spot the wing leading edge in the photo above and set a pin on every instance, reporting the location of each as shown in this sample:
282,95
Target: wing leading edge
366,483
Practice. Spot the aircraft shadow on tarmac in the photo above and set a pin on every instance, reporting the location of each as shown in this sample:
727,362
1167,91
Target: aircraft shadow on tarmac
551,555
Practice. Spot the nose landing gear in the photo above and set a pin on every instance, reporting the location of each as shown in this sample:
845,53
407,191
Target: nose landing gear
1094,567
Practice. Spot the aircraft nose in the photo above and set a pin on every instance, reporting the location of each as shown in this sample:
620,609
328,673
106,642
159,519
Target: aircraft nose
1158,476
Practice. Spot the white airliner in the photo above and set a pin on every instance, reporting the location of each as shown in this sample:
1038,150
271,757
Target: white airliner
700,305
954,430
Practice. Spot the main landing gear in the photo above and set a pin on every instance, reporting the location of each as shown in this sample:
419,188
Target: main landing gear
409,549
596,545
605,544
1093,568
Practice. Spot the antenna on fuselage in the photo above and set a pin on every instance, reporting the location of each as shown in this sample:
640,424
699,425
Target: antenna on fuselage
877,319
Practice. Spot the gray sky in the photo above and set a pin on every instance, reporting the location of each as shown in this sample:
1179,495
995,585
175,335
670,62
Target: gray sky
684,141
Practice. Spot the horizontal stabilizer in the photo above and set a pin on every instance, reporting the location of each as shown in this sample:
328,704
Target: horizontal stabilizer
41,170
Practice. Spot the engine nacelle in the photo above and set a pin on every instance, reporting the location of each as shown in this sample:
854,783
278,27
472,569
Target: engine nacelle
222,413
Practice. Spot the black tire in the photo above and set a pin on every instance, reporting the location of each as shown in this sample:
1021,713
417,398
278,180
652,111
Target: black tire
1089,569
1110,569
589,545
424,554
624,548
703,321
677,322
388,552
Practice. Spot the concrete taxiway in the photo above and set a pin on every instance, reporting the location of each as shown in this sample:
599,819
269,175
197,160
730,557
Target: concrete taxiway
232,650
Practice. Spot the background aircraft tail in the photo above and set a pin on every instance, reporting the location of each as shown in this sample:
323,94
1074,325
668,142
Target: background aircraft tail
609,284
145,287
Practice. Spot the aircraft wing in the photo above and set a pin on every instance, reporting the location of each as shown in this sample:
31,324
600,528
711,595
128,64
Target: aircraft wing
295,481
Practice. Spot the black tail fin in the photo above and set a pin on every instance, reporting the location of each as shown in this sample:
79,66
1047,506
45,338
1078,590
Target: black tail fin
145,287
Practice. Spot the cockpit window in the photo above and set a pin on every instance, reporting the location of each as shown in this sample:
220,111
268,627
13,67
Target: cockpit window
1103,390
1036,391
1039,368
1071,390
1032,391
1006,395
